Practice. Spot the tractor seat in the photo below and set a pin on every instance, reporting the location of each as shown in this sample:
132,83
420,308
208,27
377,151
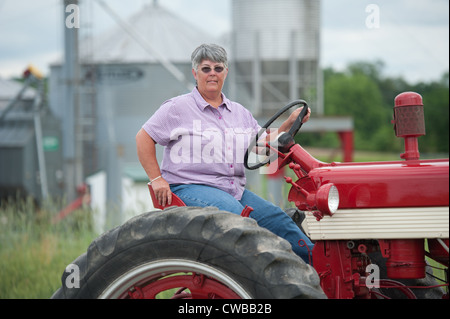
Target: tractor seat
176,201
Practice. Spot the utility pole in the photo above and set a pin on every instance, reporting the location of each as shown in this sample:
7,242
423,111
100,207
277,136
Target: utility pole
72,139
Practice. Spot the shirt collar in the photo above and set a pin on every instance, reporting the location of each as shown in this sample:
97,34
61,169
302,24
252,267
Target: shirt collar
202,104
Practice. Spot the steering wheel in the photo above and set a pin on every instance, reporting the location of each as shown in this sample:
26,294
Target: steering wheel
285,140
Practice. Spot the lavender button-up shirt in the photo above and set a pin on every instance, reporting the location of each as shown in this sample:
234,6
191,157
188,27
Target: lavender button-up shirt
203,145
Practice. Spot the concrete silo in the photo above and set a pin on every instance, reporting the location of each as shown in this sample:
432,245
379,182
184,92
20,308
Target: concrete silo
276,53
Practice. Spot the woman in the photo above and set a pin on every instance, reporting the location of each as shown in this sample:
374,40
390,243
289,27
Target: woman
205,136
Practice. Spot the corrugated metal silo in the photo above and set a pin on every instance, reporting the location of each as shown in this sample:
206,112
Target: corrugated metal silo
124,82
126,73
276,50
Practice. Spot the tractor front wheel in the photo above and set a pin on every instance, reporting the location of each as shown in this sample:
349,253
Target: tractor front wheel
188,252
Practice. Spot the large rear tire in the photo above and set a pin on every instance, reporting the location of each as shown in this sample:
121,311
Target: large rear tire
211,253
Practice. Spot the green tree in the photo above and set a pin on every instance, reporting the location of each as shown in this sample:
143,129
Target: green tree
355,94
362,92
436,106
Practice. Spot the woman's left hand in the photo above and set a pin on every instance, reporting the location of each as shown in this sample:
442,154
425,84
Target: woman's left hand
296,113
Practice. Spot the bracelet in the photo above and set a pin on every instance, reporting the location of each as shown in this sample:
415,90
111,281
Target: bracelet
155,179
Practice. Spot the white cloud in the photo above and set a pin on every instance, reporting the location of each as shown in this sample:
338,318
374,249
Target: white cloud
412,39
408,41
28,34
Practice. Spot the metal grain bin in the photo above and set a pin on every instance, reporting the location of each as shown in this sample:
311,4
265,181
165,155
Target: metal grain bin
276,49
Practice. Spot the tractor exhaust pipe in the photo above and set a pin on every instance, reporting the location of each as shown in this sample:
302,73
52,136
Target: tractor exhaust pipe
409,122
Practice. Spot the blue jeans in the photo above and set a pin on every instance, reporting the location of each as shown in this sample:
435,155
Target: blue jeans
265,213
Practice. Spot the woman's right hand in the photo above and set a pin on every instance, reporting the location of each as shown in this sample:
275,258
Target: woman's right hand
162,192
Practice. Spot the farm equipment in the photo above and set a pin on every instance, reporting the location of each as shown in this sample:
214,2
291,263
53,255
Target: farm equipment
373,225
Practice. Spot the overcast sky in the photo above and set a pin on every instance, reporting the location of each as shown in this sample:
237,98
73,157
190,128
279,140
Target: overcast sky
411,37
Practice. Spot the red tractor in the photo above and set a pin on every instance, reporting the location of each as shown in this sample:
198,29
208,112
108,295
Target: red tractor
373,225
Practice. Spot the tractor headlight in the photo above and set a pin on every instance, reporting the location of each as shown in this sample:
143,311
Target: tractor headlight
327,199
333,199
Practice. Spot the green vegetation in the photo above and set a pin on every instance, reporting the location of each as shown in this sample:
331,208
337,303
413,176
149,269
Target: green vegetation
362,92
34,251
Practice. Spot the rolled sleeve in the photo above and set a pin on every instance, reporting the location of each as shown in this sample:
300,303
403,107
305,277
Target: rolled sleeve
162,123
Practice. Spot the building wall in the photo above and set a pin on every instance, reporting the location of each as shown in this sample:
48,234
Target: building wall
116,100
19,161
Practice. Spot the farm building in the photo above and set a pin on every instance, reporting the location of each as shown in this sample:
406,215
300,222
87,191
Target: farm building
30,158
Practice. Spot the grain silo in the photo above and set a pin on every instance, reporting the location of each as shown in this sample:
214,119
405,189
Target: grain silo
276,51
126,73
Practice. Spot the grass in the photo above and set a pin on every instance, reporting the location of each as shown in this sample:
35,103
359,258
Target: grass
34,252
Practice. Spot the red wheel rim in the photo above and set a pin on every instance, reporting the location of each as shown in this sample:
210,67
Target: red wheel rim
175,279
191,286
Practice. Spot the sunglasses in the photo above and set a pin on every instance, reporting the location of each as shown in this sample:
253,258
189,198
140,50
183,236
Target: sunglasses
217,69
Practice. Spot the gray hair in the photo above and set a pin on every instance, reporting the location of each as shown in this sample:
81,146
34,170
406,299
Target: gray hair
212,52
